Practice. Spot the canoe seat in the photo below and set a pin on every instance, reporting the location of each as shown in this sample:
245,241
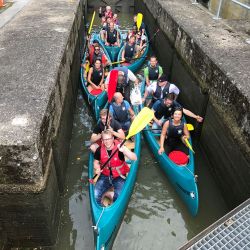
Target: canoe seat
107,198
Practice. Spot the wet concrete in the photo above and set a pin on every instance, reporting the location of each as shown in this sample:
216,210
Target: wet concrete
218,61
39,80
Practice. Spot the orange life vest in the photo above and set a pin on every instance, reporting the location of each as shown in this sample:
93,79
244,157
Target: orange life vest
118,167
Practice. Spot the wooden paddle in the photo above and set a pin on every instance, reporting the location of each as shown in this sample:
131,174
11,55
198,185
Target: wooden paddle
140,121
113,78
139,20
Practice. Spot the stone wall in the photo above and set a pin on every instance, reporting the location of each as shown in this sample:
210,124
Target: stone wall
39,71
217,58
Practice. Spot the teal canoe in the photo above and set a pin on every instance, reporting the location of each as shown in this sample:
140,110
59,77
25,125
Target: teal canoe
182,177
96,102
138,62
107,220
113,51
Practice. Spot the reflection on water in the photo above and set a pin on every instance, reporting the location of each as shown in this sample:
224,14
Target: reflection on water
156,218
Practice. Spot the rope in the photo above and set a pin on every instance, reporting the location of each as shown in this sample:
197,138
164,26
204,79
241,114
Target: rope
95,227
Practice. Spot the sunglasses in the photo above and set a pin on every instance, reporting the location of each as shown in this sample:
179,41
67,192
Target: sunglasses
97,49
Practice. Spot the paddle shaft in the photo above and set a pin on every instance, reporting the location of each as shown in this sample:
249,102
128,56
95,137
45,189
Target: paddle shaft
135,58
88,33
105,164
106,122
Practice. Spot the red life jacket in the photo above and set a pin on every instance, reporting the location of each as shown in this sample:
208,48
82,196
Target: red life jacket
108,14
91,56
118,167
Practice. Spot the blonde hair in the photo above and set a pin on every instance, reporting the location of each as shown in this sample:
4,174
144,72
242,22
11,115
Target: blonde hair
107,132
104,112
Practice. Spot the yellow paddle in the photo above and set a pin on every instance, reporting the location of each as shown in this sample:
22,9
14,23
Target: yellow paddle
190,127
140,121
91,23
189,145
139,20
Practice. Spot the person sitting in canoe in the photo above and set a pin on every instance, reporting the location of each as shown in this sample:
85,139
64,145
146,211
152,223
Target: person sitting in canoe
105,27
164,109
112,124
131,33
153,71
114,175
130,50
96,77
160,89
142,27
174,133
116,21
125,76
139,41
112,36
98,54
122,111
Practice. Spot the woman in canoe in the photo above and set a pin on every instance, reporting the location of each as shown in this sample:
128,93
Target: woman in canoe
175,133
96,77
114,175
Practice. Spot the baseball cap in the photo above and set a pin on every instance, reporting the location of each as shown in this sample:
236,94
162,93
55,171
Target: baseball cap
163,78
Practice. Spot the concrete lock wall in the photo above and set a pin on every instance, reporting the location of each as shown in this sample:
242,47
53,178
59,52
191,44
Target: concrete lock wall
39,71
217,58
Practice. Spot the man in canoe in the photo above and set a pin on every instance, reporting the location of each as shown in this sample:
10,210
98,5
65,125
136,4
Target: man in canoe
125,76
175,134
114,174
152,72
122,111
112,125
112,36
164,109
160,89
98,54
130,50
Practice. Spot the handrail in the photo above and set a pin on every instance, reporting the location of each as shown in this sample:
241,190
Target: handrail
234,1
241,4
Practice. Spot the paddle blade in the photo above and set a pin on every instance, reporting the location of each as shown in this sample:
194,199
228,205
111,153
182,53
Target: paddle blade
189,145
113,78
91,24
190,127
140,121
139,20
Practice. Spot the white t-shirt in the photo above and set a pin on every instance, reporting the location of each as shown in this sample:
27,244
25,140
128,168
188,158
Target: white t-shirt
172,88
131,77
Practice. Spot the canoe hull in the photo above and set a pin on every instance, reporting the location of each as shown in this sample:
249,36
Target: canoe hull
108,219
182,178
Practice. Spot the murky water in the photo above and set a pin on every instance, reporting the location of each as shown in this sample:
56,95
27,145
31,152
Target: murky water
155,219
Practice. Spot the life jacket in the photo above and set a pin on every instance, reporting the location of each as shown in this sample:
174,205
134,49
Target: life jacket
115,165
108,14
161,93
111,36
165,111
175,131
120,112
93,57
126,79
153,73
129,52
97,76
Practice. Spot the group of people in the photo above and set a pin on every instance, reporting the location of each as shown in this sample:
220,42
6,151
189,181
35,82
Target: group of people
113,125
168,113
110,23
